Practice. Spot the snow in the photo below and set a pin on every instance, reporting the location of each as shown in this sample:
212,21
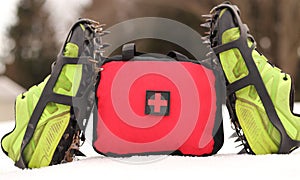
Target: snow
216,167
224,165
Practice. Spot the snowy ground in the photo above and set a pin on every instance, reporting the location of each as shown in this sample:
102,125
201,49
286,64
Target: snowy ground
225,165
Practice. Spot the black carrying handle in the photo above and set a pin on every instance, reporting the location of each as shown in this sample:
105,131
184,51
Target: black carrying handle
129,51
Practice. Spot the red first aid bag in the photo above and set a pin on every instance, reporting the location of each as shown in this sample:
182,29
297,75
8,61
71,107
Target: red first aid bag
149,104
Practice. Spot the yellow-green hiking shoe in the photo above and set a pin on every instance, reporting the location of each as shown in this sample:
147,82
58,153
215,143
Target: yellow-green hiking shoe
259,95
49,116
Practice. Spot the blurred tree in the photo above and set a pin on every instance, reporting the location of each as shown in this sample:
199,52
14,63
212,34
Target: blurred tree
112,12
35,47
288,35
272,22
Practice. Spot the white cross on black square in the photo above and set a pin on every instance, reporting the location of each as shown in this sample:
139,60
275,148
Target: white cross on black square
157,103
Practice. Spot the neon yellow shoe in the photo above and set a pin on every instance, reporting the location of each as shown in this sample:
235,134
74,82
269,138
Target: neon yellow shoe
49,116
259,95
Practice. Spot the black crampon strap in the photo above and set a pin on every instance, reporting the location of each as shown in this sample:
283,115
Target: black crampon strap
79,102
49,96
254,78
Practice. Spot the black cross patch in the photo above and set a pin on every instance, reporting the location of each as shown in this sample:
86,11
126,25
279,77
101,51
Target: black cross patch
157,103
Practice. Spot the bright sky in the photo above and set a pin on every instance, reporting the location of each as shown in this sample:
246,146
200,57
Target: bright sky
8,11
62,12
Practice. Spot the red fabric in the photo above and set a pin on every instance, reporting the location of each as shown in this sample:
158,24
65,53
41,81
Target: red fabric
123,127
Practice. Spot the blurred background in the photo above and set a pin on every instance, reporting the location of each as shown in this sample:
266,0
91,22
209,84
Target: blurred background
32,31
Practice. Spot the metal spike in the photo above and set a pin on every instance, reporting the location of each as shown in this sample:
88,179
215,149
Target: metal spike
209,53
105,45
98,69
207,33
233,135
207,15
243,151
205,25
207,41
204,38
239,145
208,20
93,61
100,51
99,26
208,60
216,62
238,140
79,153
103,33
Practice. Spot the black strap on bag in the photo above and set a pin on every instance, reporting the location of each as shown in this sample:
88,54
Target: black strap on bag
178,56
128,51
